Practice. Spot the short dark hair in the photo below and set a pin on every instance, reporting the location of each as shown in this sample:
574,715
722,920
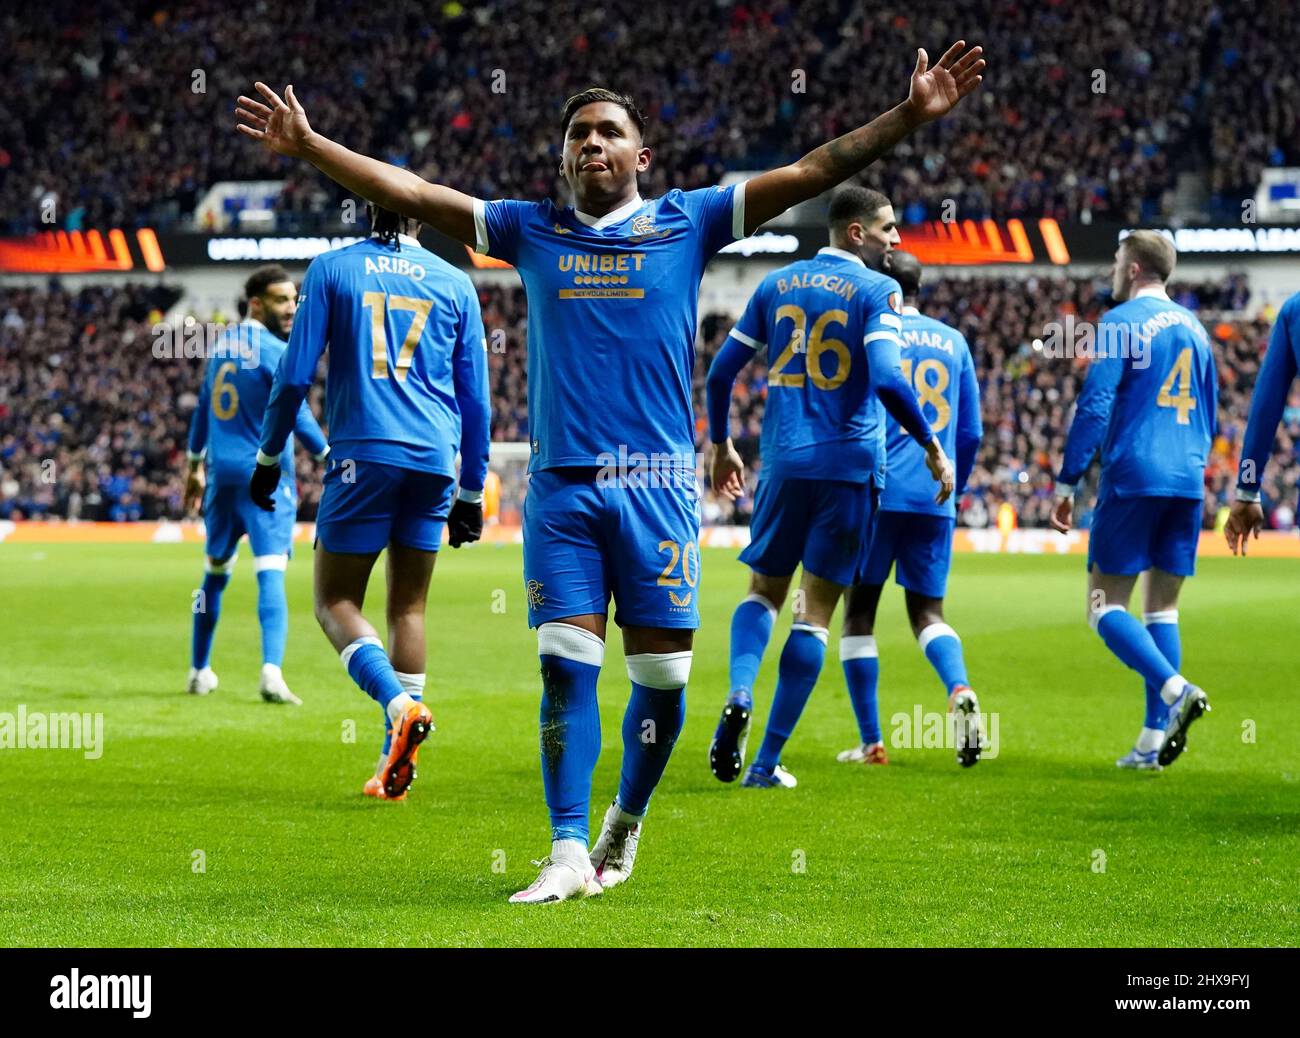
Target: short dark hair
904,268
854,203
593,95
1151,251
387,225
263,278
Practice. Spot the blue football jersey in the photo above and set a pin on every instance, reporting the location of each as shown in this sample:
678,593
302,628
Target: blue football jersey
817,320
611,318
1272,387
407,383
1150,401
232,402
936,360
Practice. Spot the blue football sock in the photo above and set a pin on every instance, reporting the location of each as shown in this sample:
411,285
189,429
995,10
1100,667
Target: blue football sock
862,675
801,662
569,725
751,629
1163,628
369,667
651,724
1133,645
272,614
207,611
942,648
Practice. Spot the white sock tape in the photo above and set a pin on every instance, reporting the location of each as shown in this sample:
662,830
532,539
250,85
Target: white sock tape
1095,615
350,650
858,647
820,633
571,643
929,634
264,562
1164,616
771,609
660,669
226,567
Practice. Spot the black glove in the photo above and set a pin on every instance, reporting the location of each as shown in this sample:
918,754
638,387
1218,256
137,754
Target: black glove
465,524
262,487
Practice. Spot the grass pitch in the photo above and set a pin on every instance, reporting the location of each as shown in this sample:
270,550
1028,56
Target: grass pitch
1047,844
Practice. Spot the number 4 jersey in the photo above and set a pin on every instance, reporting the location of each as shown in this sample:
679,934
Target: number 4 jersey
407,379
1150,402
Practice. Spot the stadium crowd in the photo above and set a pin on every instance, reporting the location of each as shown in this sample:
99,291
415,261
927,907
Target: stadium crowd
93,423
1088,110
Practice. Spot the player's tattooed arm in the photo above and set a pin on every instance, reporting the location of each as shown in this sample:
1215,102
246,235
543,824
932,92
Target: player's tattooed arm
281,125
933,93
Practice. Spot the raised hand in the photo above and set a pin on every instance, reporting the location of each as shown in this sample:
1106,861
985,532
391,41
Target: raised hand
935,91
281,126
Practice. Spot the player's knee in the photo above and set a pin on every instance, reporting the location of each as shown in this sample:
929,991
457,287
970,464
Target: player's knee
222,566
661,670
771,591
1097,612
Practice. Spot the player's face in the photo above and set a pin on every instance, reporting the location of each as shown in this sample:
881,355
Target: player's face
1121,276
275,308
876,237
603,154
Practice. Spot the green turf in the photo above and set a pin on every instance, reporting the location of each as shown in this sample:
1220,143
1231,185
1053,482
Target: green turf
102,851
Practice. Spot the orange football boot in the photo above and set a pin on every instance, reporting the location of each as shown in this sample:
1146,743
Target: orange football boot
412,728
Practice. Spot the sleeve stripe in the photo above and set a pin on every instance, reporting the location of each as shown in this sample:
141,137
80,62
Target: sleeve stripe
738,211
748,340
891,321
480,227
883,337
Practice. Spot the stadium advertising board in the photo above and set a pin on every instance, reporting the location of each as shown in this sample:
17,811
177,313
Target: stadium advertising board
935,243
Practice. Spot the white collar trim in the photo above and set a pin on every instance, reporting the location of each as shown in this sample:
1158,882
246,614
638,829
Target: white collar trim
911,311
831,250
405,239
609,219
1156,291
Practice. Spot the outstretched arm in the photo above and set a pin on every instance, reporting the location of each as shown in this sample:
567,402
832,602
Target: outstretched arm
281,125
933,93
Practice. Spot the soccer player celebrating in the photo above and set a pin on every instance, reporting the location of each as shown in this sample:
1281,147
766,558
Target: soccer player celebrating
1150,404
1281,362
830,328
407,388
914,531
223,432
612,285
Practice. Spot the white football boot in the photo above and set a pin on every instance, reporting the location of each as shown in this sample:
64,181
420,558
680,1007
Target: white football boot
968,726
273,688
201,682
615,850
566,873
